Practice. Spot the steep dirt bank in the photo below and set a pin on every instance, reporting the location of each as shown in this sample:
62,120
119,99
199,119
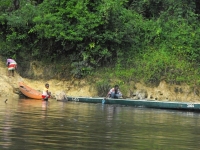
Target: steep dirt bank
9,86
74,87
170,92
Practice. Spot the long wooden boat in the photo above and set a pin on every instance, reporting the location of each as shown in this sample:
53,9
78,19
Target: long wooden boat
29,92
140,103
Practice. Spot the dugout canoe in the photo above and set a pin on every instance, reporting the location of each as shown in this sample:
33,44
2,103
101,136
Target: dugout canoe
29,92
140,103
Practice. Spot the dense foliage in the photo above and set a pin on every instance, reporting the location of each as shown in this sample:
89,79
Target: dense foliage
142,39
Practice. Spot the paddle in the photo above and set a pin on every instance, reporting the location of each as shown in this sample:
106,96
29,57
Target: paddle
103,101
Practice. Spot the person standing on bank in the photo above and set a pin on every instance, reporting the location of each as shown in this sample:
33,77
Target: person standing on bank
46,94
114,92
12,66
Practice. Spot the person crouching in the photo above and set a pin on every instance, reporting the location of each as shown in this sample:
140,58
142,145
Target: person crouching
114,93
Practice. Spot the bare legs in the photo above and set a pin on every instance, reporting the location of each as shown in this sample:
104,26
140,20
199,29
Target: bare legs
11,72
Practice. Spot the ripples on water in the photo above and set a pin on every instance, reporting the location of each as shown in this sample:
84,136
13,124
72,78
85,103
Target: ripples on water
32,124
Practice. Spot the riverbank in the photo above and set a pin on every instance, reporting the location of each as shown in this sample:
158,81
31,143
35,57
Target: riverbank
81,87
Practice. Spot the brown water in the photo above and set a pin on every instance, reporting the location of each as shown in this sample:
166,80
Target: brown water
35,125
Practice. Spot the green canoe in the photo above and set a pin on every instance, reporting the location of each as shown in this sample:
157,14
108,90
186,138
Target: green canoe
140,103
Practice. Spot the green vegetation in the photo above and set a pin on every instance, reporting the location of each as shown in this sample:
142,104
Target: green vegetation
149,40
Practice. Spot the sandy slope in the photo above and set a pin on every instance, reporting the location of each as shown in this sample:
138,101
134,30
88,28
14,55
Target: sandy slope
9,85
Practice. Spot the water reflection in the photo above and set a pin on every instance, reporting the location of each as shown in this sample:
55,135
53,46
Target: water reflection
45,104
35,124
7,124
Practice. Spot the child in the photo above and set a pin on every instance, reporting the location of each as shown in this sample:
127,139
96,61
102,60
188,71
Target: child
46,94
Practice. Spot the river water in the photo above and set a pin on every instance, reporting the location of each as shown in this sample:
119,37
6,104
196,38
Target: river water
36,125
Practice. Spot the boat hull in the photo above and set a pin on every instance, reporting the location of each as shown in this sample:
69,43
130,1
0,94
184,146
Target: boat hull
29,92
140,103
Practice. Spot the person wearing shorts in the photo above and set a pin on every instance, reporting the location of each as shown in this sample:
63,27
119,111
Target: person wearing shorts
46,94
12,66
